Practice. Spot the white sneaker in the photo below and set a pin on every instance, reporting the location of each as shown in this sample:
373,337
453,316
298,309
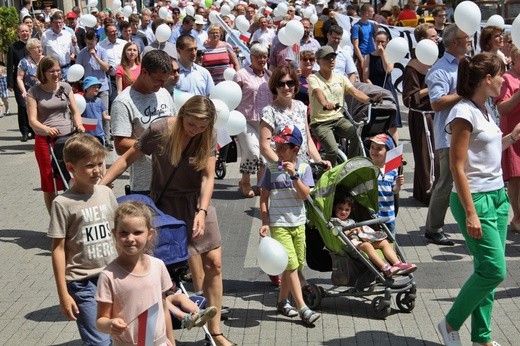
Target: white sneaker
450,339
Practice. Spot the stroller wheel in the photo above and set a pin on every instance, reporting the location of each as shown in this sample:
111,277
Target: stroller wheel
312,295
405,302
381,307
220,169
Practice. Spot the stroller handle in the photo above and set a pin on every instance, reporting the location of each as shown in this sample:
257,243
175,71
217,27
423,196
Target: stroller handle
367,223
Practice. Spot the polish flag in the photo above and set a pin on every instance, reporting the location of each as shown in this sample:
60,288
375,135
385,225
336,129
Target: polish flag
147,323
245,36
267,11
394,158
89,124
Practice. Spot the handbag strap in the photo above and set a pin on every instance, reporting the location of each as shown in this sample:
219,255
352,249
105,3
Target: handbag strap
172,174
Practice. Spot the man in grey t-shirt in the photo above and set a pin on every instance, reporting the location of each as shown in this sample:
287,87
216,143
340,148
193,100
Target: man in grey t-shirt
136,107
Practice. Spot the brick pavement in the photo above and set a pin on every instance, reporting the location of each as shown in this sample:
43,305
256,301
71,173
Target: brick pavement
29,313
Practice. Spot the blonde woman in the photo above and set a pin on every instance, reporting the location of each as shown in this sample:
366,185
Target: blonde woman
218,54
184,148
130,67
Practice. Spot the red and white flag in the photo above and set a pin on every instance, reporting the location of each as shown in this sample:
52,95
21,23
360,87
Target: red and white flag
267,11
394,158
89,124
147,323
245,36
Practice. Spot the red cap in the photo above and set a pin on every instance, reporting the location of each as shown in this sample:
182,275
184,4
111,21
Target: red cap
71,15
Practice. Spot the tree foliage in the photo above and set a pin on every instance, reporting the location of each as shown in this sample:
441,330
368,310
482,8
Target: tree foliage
8,27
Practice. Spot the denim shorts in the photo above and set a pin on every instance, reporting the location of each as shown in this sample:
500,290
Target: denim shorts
83,293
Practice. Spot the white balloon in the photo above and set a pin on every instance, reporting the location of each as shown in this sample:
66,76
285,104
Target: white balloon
426,52
261,3
229,73
242,23
515,31
282,36
236,123
314,19
163,12
75,73
396,49
225,10
294,31
496,20
92,3
308,12
272,257
163,33
213,17
115,5
190,10
81,103
222,113
229,92
88,20
283,7
180,97
467,17
127,11
345,39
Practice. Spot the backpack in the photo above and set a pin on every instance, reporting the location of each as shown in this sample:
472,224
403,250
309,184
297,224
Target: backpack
360,35
172,236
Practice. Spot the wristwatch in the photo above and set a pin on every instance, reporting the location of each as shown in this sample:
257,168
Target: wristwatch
296,176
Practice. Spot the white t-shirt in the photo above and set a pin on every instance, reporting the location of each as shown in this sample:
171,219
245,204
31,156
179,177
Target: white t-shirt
483,167
132,112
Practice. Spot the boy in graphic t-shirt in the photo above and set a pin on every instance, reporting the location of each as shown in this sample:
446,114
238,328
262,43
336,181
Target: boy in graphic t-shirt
80,228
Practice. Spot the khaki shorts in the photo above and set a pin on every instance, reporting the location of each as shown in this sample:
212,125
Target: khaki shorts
293,240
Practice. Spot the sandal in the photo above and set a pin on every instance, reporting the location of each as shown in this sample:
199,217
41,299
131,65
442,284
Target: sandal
204,315
229,342
246,190
286,309
308,316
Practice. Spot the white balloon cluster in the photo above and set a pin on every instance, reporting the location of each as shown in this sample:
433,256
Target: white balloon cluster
292,33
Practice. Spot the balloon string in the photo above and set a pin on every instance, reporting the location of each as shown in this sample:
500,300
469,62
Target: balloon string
384,80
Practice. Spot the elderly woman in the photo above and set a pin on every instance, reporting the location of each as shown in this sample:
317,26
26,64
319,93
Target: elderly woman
415,97
508,103
218,54
492,41
307,60
256,95
52,111
28,66
183,149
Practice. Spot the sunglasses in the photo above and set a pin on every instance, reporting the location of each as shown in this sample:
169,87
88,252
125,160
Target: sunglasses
308,59
289,84
175,71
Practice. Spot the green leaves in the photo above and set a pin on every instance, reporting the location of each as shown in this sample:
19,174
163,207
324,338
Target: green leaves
9,21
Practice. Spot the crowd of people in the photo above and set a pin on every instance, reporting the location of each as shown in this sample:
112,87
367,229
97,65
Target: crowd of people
461,111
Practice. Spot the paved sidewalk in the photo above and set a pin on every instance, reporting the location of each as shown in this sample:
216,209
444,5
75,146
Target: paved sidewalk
29,311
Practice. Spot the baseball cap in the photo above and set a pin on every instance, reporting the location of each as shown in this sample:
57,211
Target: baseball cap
289,134
324,51
71,15
383,139
90,81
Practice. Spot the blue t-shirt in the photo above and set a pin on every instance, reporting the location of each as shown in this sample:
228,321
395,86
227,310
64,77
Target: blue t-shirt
94,110
365,37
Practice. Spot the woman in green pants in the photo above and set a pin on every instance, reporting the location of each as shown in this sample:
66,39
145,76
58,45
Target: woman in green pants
478,201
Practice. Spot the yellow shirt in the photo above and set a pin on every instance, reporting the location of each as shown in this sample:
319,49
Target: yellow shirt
334,90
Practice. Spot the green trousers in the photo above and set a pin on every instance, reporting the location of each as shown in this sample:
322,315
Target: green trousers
489,263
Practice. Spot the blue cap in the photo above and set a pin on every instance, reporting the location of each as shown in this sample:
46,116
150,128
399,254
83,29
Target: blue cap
289,134
90,81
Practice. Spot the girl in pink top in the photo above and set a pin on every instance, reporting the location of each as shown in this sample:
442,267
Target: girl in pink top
130,67
123,311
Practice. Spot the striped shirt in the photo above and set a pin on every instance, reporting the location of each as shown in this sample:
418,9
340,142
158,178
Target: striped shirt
386,183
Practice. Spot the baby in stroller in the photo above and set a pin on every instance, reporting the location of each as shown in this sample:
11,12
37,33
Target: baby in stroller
187,311
367,239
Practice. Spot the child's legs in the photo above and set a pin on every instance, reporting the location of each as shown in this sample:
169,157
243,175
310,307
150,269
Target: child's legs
183,302
476,296
171,305
83,293
372,255
293,240
5,101
391,227
291,284
388,251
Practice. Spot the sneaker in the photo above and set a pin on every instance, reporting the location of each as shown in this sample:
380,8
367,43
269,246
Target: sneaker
204,315
450,339
189,320
286,309
1,114
405,268
308,316
389,271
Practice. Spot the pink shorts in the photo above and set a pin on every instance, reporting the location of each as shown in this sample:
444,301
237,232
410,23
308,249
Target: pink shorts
43,157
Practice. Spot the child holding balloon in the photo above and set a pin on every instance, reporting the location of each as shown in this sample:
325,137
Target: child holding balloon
284,187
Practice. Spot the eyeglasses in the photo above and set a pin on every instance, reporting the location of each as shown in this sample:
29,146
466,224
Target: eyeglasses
308,59
175,70
288,83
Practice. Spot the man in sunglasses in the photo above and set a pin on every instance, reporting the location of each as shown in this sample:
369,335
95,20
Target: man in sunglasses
327,90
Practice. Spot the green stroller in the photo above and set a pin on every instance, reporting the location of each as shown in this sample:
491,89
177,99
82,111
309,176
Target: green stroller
329,249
